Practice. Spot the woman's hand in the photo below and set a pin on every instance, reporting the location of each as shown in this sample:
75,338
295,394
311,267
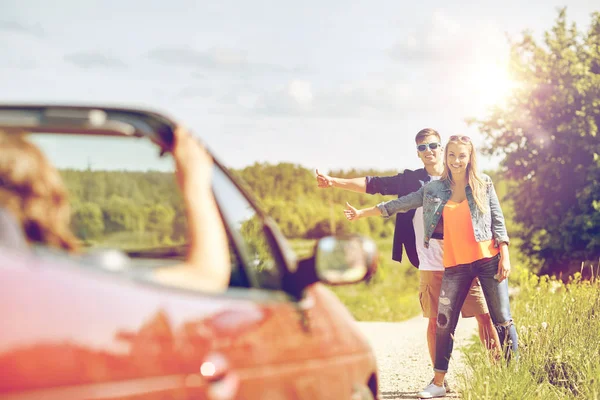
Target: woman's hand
352,213
504,263
207,266
192,162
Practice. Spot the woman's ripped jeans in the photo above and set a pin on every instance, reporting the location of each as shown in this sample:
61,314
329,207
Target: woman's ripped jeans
455,286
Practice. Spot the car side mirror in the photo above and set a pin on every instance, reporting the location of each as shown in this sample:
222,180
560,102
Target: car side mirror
345,260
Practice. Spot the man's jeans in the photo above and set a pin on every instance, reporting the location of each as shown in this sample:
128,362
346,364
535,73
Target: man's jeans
455,286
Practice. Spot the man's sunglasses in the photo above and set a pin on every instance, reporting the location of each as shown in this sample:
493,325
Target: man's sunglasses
432,146
456,138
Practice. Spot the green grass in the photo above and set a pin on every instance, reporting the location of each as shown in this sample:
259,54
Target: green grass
559,340
391,295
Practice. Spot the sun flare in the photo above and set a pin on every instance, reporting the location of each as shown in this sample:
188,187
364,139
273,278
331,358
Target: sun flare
491,85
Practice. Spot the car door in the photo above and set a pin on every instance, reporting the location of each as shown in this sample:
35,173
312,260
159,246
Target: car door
97,325
294,353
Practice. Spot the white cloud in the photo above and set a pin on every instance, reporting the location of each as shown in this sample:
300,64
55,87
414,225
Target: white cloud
92,59
22,29
363,98
444,23
443,39
222,56
411,42
24,51
247,100
215,58
301,92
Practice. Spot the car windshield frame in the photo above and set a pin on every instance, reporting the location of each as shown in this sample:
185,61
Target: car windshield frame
125,122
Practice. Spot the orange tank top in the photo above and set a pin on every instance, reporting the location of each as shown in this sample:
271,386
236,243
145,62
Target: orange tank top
460,246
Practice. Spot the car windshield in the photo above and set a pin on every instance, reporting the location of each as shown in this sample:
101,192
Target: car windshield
125,201
123,195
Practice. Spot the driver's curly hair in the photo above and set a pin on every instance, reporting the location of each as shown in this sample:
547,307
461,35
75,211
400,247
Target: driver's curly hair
32,190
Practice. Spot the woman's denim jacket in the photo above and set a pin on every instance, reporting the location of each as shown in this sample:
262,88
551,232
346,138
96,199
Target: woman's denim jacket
434,196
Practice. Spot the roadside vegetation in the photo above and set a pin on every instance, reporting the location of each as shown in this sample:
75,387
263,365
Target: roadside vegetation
559,340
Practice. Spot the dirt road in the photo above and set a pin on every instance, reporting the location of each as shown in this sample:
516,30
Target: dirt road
404,364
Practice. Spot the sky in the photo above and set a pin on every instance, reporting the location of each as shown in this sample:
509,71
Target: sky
335,84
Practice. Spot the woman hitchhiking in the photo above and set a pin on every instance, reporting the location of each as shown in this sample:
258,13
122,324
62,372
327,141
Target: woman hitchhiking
475,245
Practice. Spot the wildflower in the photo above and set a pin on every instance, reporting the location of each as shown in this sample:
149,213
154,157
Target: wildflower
544,325
523,330
555,285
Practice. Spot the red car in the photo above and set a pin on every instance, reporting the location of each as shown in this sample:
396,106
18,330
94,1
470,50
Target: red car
97,326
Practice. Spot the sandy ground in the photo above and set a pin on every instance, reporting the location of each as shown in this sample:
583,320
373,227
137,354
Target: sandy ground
403,359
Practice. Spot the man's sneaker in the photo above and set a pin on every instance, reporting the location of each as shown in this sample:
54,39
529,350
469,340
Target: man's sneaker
432,391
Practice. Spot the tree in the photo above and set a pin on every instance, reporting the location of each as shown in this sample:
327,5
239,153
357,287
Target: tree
160,219
87,221
180,226
121,214
93,185
548,133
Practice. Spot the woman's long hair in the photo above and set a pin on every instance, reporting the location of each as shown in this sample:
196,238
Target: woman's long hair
32,190
477,184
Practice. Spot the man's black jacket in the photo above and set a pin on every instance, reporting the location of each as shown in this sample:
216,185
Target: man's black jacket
402,184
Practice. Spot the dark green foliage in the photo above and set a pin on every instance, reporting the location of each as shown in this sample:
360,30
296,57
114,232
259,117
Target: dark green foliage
88,221
122,214
549,135
159,218
145,206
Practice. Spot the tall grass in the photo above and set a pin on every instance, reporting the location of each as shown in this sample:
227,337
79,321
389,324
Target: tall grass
559,342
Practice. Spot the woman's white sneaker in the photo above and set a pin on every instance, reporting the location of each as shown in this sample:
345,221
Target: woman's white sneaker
432,391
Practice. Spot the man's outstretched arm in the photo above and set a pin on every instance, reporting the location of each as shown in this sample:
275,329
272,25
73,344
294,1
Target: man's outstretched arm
354,184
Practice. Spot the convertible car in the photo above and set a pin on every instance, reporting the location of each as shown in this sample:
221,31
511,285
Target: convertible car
97,325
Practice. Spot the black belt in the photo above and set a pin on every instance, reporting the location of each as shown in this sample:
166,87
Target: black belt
437,235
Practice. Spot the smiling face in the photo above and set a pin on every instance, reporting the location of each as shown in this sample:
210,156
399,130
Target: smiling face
458,156
430,156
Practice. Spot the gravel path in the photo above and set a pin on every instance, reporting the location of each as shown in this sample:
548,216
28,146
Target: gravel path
402,356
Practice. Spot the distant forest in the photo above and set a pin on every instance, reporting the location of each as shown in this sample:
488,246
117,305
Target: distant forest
122,208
